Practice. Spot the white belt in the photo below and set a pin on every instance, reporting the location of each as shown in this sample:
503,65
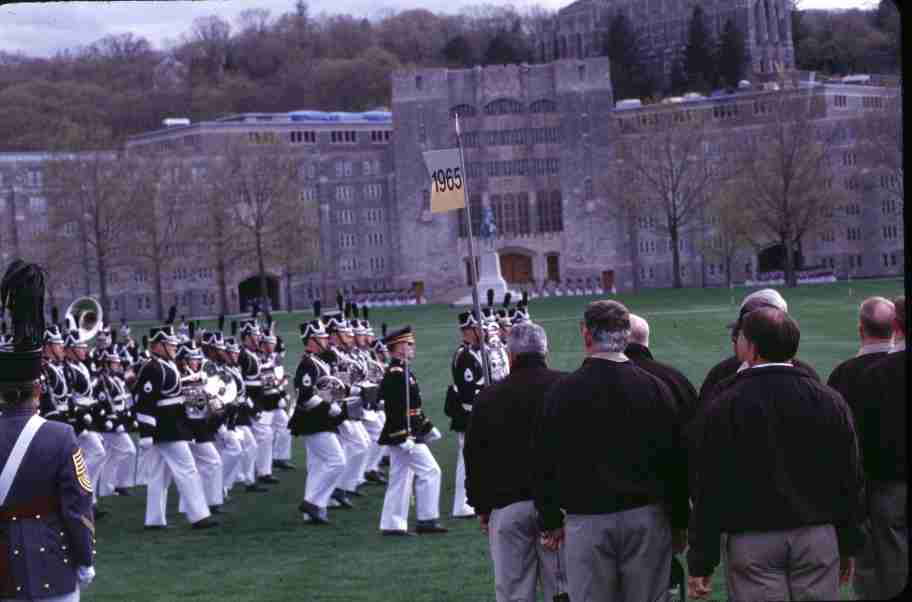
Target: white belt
253,383
467,407
170,401
146,419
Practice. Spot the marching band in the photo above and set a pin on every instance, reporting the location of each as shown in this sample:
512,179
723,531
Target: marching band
210,411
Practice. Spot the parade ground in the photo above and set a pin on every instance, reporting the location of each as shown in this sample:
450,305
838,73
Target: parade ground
265,553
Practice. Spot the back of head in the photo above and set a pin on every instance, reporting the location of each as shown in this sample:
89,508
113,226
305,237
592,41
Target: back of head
766,297
528,338
773,332
639,331
876,318
899,307
609,324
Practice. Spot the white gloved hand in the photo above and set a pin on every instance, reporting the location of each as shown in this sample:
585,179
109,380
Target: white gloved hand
85,574
145,442
120,428
250,403
355,390
334,409
434,435
408,445
222,429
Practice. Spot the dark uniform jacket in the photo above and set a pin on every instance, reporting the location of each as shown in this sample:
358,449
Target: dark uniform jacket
54,392
847,375
159,403
249,364
234,413
111,392
498,447
684,392
203,428
84,410
778,452
468,380
51,500
311,413
610,440
882,413
392,391
272,397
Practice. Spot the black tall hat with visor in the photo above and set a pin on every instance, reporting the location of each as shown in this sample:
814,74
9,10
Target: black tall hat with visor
22,296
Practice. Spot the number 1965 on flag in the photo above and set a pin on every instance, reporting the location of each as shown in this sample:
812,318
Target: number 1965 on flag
447,180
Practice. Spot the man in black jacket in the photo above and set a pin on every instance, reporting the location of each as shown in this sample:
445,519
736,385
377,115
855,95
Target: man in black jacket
638,351
779,472
500,468
883,567
875,328
608,451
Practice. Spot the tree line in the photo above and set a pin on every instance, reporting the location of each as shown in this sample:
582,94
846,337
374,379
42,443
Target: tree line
121,85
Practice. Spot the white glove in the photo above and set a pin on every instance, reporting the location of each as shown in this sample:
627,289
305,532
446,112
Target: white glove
108,425
355,390
408,445
120,428
250,403
145,442
85,574
222,429
282,405
334,409
434,435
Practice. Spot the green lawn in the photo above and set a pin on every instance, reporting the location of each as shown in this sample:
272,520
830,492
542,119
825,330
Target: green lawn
264,553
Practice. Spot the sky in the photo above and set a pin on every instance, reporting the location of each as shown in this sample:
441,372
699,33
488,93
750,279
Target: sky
41,29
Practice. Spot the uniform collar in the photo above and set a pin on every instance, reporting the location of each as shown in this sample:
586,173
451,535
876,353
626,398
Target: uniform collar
608,356
875,348
527,361
636,350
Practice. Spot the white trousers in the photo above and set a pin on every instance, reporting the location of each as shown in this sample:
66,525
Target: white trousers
460,505
209,464
374,427
325,464
262,431
118,469
167,461
247,474
281,446
229,447
418,464
93,451
355,442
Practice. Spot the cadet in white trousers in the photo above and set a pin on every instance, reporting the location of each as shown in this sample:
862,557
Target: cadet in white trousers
165,432
229,447
263,433
355,442
117,473
93,450
405,425
281,444
209,464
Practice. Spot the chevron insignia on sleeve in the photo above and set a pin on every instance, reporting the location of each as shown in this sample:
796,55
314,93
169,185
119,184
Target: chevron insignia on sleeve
82,473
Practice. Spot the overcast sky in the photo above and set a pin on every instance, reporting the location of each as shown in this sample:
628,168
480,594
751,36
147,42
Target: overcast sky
40,29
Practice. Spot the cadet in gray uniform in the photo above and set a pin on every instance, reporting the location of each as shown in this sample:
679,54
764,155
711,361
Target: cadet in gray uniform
46,526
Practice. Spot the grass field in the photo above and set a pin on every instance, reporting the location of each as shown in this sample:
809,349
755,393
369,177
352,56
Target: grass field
263,552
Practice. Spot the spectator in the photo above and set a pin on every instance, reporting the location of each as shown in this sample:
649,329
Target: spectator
500,468
883,567
638,351
875,328
608,452
779,473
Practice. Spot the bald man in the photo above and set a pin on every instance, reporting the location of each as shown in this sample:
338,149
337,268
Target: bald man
875,330
638,351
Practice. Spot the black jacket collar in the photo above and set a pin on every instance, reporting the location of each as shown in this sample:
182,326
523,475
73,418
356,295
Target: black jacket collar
635,351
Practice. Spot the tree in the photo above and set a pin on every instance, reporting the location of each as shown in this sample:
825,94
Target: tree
260,193
457,52
296,246
505,49
670,174
726,232
732,56
627,72
698,59
786,168
678,78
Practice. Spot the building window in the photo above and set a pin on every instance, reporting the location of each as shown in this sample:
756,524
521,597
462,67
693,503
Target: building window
463,111
849,158
550,212
35,178
377,264
308,195
890,232
543,106
475,209
373,191
840,101
552,264
346,240
504,106
345,193
345,217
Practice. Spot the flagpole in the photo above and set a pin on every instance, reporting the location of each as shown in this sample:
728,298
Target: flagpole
473,268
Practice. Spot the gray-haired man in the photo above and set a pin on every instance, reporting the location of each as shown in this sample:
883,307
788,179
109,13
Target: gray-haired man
608,451
500,468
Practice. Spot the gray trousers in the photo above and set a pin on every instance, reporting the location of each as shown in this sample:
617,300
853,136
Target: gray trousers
519,558
796,564
883,568
624,556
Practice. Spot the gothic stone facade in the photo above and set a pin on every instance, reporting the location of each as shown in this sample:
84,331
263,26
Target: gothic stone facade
580,29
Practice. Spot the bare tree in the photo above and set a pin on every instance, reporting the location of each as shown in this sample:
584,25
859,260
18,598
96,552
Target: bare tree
671,172
296,244
786,168
727,228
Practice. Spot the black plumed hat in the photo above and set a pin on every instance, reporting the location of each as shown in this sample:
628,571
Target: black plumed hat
355,310
525,298
383,330
234,327
192,330
172,313
22,295
318,308
55,315
145,342
221,322
508,296
364,312
490,297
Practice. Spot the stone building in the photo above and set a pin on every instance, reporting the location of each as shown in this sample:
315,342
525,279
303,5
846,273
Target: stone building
580,30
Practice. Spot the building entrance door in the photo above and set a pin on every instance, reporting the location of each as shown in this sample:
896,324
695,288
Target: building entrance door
608,280
516,268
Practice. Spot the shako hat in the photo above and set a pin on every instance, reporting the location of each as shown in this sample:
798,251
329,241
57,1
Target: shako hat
22,295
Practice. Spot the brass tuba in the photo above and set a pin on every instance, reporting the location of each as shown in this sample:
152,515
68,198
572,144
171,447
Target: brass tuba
84,315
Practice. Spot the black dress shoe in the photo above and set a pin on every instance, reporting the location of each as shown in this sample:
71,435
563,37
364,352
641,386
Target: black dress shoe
395,533
206,523
254,488
217,509
123,491
342,499
284,465
465,516
99,513
155,527
268,479
428,527
314,514
375,477
352,493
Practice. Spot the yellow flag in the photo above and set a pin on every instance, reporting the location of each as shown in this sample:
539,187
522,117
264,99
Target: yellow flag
447,180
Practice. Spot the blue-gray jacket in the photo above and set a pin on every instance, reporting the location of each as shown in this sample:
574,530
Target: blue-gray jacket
46,526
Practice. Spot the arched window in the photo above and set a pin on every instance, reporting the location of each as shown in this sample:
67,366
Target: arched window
543,106
463,110
550,211
504,106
